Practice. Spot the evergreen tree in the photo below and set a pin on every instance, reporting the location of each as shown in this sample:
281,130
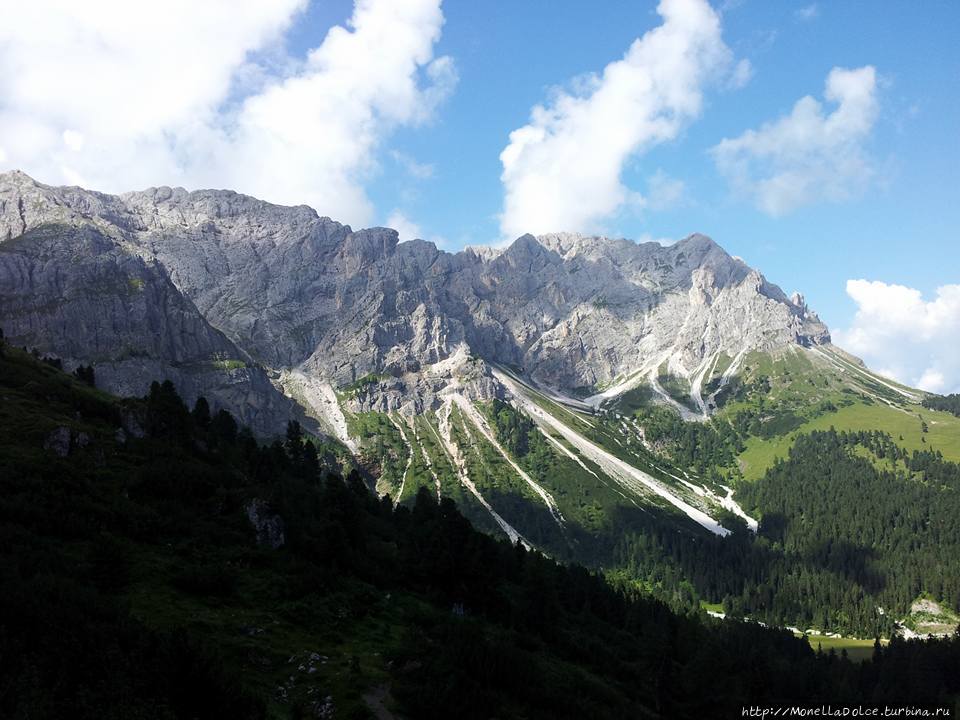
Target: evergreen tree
85,374
201,413
224,428
294,442
167,415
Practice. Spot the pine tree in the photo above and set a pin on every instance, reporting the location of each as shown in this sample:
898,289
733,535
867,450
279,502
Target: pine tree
224,428
85,374
294,443
201,413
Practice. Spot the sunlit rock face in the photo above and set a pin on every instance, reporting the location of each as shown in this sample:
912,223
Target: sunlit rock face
220,291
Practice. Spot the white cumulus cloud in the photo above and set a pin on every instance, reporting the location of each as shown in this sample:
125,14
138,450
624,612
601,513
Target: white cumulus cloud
808,155
119,95
899,333
562,170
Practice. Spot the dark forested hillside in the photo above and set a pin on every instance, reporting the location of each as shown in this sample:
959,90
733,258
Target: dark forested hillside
157,562
880,518
853,530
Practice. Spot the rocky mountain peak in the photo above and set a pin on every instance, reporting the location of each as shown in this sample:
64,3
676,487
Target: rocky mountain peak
286,290
484,252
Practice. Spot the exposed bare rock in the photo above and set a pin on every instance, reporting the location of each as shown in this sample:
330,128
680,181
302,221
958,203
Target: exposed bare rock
58,442
72,285
212,288
62,441
268,525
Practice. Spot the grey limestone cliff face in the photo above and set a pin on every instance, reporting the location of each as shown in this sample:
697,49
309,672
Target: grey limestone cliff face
72,287
209,287
582,311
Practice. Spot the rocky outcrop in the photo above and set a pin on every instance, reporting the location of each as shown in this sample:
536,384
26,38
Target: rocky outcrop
222,293
268,526
58,442
62,441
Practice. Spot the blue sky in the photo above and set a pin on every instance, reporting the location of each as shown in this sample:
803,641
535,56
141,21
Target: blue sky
260,99
904,228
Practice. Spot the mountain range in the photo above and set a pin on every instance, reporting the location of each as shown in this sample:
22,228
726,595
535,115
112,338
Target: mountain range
663,416
531,383
220,292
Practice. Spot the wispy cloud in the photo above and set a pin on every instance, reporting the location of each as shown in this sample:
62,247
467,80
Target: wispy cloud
807,156
906,337
120,95
417,170
741,75
562,170
807,13
664,192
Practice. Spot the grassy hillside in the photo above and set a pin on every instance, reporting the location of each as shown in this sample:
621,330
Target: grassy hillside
775,398
904,423
834,533
856,649
545,471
